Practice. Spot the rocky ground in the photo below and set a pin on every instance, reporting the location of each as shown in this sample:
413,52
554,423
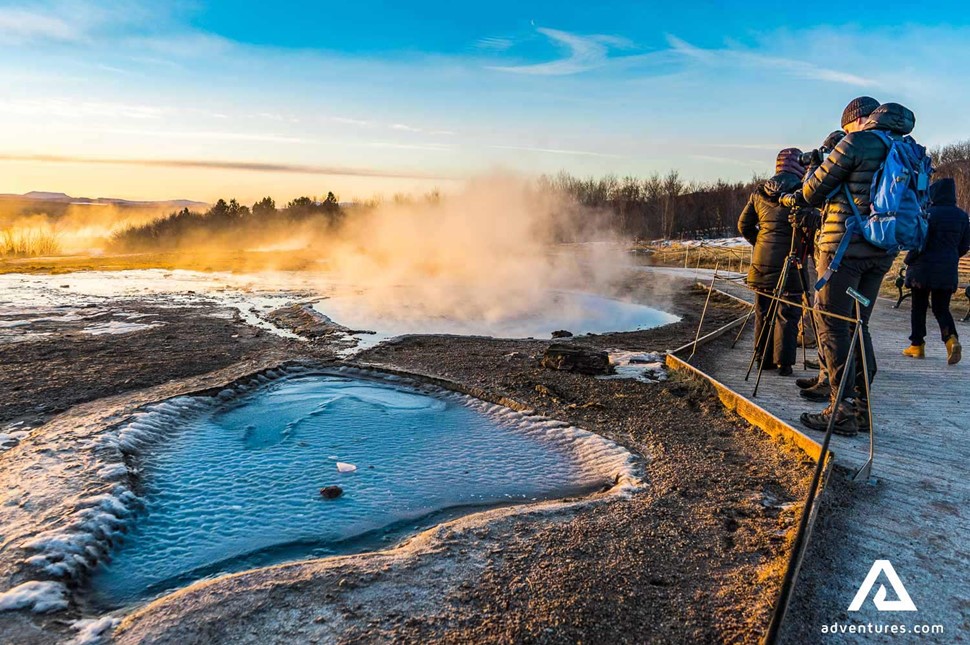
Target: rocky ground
695,556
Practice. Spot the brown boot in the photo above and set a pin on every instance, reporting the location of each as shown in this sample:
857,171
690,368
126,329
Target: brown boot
845,420
954,351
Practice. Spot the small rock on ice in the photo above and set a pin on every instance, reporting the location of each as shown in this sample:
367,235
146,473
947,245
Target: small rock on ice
345,468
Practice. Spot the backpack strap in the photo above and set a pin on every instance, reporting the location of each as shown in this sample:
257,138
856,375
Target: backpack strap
853,226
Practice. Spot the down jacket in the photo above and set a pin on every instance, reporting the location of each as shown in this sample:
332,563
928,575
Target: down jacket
935,267
764,224
853,163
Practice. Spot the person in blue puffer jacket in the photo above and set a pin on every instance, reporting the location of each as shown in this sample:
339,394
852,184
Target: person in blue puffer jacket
932,273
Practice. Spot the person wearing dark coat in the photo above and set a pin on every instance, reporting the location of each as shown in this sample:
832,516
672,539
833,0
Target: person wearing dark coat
932,273
851,165
764,224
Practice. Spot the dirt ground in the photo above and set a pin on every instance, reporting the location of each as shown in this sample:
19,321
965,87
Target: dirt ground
695,557
43,377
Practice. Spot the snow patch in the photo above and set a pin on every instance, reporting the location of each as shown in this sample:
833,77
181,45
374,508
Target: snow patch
10,439
647,367
117,327
93,630
40,596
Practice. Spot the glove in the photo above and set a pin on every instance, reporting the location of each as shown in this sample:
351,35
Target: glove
792,200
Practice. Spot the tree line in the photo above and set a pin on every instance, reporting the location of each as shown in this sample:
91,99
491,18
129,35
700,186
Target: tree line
227,220
658,206
953,161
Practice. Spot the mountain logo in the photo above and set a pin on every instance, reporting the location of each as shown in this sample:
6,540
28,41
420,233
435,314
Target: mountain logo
902,603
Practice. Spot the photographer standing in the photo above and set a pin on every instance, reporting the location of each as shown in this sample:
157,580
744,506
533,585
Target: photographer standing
808,221
764,223
850,169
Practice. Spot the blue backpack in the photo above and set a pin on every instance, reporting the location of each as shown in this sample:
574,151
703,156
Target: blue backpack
899,196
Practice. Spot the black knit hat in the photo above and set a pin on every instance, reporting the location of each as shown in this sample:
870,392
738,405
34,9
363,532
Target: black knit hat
859,108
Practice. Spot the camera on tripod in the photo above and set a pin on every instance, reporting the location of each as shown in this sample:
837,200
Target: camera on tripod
814,158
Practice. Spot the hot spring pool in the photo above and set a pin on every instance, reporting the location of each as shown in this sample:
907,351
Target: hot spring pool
235,481
579,313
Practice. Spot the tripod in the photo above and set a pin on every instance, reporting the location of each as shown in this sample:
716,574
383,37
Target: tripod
795,262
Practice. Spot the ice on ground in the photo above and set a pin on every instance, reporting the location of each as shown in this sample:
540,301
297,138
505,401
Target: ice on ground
724,242
40,596
86,291
117,327
648,367
10,439
91,631
206,482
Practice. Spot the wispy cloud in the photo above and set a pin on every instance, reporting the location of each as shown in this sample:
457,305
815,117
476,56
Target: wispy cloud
745,146
557,151
747,163
66,108
583,54
254,166
21,25
495,44
734,57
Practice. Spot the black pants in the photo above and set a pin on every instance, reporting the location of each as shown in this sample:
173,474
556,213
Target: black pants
779,344
865,275
941,309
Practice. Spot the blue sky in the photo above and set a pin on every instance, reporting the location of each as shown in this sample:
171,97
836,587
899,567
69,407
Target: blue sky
201,99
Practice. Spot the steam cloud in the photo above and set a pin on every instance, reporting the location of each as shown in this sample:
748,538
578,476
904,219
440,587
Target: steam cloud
486,253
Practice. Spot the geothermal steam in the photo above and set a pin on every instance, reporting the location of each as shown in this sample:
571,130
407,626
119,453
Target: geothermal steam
488,253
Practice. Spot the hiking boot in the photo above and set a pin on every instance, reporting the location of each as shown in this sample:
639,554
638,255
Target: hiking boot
845,420
818,392
954,351
785,370
807,382
811,365
918,351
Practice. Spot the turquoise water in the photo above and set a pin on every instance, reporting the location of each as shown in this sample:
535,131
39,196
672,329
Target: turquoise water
237,486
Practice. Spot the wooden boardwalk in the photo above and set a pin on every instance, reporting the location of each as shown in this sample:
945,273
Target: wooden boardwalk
916,510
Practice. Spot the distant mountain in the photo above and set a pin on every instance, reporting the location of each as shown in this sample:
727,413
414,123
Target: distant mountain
43,196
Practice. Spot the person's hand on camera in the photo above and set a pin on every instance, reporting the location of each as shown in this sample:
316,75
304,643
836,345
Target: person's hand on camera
790,200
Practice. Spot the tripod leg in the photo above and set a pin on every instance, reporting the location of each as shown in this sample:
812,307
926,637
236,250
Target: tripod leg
761,339
770,325
849,367
866,471
743,326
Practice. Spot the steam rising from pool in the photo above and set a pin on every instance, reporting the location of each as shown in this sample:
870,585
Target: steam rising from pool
236,484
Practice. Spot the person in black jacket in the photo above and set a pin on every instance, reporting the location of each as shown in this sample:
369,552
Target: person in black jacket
932,273
851,165
764,223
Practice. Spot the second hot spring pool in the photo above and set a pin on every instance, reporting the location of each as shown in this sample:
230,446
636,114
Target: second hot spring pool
234,482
